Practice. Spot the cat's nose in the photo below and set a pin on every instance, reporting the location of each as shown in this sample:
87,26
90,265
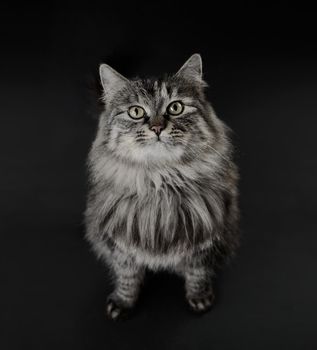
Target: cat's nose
157,129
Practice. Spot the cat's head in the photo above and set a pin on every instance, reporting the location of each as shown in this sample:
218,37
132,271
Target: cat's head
156,121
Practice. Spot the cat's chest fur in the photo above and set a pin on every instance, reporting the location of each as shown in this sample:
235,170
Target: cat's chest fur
167,210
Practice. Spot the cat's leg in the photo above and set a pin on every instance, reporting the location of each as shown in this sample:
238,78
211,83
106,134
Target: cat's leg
128,278
198,284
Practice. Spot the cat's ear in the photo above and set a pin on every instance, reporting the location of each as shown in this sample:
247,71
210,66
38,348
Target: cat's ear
192,69
111,81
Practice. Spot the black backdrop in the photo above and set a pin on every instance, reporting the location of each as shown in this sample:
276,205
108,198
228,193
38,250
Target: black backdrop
260,63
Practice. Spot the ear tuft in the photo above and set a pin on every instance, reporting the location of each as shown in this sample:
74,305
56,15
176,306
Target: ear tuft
111,81
192,68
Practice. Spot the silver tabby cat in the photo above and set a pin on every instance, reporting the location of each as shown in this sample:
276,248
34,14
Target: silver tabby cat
163,185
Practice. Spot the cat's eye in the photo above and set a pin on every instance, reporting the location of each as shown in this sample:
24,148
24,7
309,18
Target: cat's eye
136,112
175,108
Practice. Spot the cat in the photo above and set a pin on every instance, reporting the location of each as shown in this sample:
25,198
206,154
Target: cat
163,186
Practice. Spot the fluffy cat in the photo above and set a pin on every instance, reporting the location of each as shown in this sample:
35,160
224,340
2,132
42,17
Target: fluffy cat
163,185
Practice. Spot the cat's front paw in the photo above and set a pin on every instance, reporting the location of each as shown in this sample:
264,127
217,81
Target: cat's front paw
116,310
200,304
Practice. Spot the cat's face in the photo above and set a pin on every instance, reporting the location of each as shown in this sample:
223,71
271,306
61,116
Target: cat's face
155,121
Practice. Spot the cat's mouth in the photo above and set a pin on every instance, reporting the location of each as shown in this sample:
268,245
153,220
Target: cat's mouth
160,140
157,139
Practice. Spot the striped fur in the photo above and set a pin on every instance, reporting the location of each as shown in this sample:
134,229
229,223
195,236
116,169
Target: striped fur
167,202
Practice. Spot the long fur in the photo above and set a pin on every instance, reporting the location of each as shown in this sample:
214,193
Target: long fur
161,204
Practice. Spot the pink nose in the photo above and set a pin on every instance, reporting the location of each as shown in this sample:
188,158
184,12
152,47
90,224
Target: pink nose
157,129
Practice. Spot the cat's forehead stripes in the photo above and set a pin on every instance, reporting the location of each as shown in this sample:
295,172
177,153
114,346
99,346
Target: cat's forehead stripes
154,89
156,94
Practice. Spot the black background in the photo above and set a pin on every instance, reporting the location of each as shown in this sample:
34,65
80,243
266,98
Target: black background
260,62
